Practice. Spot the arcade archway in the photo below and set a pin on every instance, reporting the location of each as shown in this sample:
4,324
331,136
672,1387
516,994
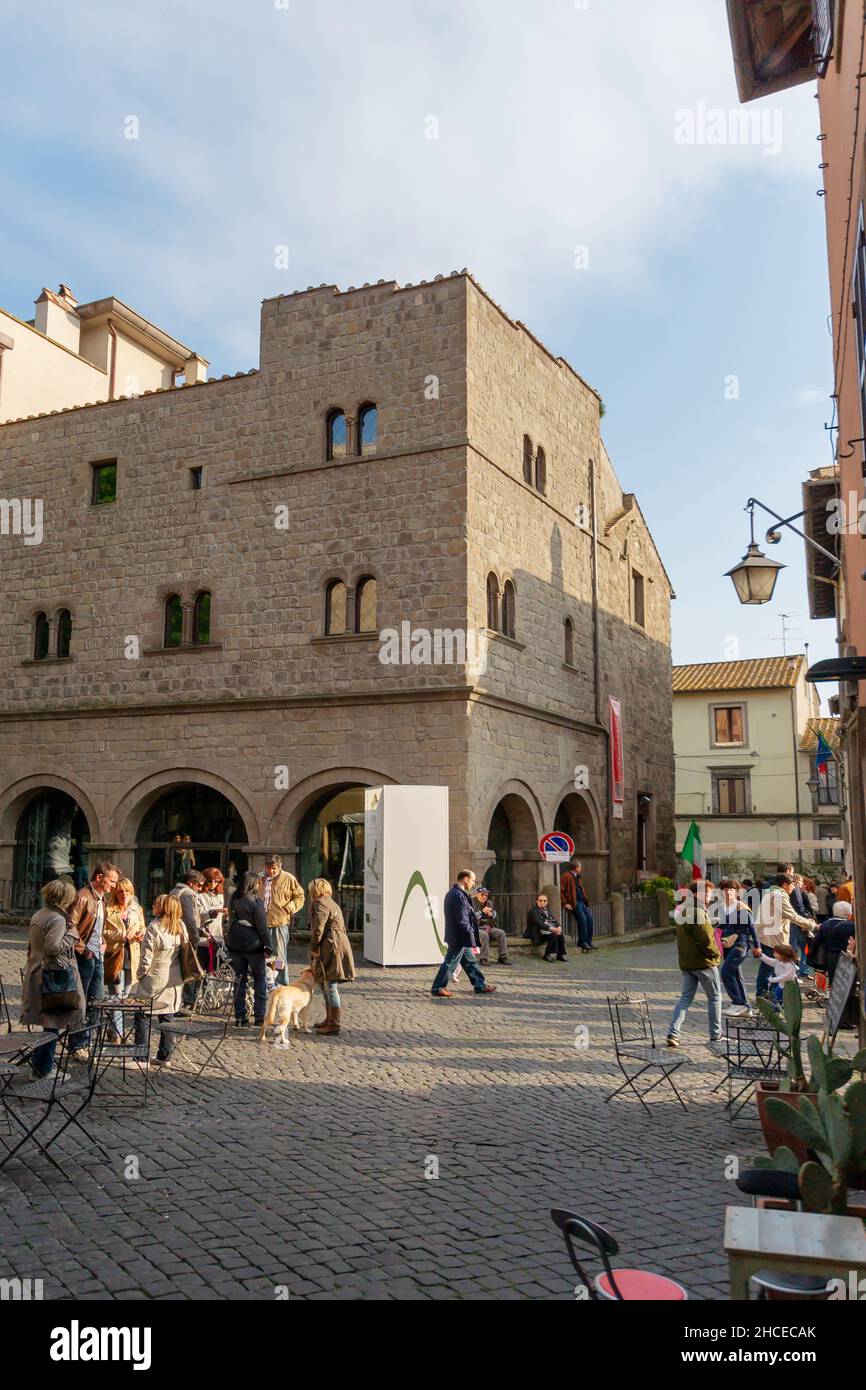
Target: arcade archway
52,838
189,826
331,846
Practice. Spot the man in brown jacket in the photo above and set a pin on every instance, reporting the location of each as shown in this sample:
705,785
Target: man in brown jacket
573,899
283,898
87,917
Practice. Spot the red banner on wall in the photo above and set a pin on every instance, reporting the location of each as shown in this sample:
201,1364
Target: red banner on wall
617,769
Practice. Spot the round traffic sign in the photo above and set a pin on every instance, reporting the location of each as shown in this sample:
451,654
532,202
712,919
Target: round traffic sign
557,847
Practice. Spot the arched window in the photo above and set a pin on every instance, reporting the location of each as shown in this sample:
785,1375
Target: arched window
64,632
509,605
201,619
335,608
569,642
366,597
541,472
338,435
368,429
493,603
40,637
172,633
527,460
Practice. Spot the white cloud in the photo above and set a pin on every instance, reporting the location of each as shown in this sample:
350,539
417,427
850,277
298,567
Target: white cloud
261,126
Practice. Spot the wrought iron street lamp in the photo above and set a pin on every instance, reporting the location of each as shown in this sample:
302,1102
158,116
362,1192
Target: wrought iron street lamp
755,576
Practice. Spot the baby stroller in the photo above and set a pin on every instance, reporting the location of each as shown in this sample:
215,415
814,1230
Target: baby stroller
218,982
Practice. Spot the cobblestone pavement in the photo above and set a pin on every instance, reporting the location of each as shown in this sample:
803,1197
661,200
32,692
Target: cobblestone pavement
306,1169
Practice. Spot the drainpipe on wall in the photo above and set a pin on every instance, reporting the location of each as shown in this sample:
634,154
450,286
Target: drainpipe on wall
796,770
596,662
112,359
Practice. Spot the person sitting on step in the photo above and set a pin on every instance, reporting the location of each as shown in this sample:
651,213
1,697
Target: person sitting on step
542,927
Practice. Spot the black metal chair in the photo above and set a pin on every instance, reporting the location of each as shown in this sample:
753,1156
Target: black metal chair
13,1041
769,1183
62,1096
635,1045
613,1286
753,1052
771,1285
21,974
208,1029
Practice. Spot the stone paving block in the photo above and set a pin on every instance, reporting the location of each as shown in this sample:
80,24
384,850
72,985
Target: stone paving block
494,1092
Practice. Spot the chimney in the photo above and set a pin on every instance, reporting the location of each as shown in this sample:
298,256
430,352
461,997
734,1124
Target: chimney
194,370
56,317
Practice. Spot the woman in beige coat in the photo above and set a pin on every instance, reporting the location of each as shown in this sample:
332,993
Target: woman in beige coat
160,977
331,958
51,948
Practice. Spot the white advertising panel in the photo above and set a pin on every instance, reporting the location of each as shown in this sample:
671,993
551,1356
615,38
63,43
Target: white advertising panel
405,874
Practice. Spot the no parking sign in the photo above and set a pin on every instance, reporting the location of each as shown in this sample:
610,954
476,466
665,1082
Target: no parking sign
556,848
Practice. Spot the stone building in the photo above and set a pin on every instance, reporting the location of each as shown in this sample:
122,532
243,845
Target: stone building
396,552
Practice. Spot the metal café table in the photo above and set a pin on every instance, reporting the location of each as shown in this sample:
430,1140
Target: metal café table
792,1242
135,1017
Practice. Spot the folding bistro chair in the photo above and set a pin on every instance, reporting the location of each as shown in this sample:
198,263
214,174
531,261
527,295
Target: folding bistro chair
635,1045
753,1052
208,1029
15,1040
613,1286
63,1096
21,973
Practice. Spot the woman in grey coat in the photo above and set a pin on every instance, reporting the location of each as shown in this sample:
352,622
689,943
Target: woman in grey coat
51,946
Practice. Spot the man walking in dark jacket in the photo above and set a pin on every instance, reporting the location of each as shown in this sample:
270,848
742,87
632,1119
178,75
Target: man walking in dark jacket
461,938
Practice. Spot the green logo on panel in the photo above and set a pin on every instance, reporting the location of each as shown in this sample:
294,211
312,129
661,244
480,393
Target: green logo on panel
417,881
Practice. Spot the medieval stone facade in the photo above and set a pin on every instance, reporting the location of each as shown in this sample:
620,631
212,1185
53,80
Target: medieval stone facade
469,502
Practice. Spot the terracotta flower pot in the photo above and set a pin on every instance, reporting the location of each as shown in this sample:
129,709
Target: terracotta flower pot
774,1136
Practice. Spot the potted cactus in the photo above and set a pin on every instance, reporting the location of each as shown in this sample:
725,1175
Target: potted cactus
833,1129
788,1020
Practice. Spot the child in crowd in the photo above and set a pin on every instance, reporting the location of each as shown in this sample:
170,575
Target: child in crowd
784,962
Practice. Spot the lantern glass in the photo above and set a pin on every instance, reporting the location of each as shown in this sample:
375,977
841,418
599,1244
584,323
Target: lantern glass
755,577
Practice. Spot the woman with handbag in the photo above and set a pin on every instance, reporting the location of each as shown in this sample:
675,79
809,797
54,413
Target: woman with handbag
51,992
160,974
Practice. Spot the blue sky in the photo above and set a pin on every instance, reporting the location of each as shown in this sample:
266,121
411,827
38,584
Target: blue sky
266,123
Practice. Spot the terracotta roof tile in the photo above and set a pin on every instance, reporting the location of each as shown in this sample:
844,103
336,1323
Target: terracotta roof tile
829,727
763,673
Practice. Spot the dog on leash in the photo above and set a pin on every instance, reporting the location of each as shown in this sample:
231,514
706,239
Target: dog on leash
289,1006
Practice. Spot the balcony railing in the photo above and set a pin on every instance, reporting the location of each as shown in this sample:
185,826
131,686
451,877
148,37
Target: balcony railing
822,33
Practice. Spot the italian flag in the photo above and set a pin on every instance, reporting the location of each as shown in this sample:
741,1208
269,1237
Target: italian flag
692,853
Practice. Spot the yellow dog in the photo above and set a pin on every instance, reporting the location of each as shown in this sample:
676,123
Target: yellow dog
289,1005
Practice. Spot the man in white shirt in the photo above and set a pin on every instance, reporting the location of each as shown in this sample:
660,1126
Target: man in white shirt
773,925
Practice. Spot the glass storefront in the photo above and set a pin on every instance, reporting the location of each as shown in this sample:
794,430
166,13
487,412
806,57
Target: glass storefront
51,841
189,827
331,846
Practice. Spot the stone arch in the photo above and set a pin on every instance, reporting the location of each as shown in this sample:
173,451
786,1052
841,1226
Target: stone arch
323,833
587,812
54,839
513,826
577,813
140,795
16,797
524,792
292,808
